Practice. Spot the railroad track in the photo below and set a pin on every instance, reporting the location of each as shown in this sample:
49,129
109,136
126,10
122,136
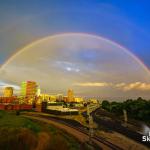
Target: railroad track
115,126
80,128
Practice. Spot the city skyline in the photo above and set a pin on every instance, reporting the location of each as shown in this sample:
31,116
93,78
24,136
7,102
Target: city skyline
82,47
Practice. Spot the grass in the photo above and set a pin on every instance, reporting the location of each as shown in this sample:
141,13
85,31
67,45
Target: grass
17,132
10,120
60,136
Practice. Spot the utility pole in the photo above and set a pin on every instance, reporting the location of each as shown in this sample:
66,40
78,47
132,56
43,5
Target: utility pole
91,131
90,108
125,117
90,119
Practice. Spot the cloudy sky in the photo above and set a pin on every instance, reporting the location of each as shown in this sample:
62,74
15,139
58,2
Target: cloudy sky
97,47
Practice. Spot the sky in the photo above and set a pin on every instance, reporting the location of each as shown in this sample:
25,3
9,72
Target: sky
124,22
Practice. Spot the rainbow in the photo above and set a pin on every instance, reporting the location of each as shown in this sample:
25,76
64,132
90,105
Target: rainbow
79,34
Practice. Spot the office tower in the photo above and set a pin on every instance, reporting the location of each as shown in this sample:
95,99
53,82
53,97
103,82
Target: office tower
70,95
29,89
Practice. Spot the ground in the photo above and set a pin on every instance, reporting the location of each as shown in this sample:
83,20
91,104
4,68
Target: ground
114,137
121,140
17,132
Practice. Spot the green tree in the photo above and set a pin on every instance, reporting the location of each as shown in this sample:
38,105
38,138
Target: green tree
106,105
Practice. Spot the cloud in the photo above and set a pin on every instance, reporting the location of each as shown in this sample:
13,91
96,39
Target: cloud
4,84
93,84
119,85
136,86
68,66
122,86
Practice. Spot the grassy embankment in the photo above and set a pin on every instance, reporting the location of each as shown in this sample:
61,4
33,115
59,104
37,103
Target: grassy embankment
17,132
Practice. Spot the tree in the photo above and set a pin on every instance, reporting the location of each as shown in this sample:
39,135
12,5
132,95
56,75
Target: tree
117,108
106,105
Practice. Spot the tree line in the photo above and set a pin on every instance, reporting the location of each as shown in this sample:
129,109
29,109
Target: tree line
138,109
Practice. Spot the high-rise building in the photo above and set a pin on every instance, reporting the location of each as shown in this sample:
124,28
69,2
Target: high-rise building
70,95
8,91
38,92
29,89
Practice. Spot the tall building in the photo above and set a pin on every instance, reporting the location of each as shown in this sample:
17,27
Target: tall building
38,92
29,89
8,92
70,95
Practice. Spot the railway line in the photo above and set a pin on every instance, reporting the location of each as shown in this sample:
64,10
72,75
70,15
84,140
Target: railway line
80,128
118,127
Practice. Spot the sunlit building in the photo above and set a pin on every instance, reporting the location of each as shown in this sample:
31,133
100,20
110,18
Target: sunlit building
65,98
94,101
44,97
78,99
8,92
38,92
70,95
8,96
48,98
29,89
53,98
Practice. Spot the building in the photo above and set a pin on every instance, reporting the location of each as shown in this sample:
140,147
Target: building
78,99
8,91
6,100
29,89
94,101
47,97
29,92
57,108
70,95
53,98
65,98
59,97
38,92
